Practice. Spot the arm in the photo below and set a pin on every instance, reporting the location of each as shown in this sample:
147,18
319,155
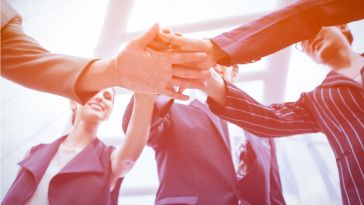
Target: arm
25,61
270,33
161,121
268,121
124,157
294,23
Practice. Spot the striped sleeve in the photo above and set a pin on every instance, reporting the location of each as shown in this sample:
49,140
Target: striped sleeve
267,121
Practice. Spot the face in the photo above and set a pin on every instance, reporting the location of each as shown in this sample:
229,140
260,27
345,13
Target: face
97,108
327,44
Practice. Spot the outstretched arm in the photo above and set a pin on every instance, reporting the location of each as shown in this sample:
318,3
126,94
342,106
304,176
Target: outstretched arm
26,62
267,121
160,123
272,32
124,157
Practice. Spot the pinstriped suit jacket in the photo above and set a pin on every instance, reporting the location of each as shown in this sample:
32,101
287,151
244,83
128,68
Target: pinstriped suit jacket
336,108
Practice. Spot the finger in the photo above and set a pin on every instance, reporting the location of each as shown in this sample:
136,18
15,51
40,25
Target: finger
166,30
147,37
171,87
171,39
181,89
185,57
158,45
175,94
188,83
190,72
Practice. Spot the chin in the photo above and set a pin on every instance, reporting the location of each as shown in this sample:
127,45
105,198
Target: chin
95,119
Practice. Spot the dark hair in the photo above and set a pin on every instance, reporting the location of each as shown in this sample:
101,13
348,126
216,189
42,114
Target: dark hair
347,33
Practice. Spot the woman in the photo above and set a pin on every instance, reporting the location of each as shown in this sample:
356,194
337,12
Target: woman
78,168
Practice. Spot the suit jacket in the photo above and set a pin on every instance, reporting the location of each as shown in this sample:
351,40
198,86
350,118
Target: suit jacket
334,108
27,63
277,30
84,180
192,151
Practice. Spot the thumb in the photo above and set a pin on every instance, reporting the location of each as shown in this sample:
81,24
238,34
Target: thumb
147,37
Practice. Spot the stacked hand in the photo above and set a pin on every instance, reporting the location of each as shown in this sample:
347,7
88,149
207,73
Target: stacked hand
213,84
143,69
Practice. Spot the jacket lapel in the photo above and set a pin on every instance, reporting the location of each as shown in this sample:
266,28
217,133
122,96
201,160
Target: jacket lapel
219,124
85,161
362,76
334,79
38,161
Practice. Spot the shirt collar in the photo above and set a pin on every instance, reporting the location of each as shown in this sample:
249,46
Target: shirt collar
334,79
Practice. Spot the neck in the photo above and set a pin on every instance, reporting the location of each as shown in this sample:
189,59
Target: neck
348,64
81,135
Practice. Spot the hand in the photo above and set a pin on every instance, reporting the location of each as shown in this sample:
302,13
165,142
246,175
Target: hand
215,87
142,69
180,43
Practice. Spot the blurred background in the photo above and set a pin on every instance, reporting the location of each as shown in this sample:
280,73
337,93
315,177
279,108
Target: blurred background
99,28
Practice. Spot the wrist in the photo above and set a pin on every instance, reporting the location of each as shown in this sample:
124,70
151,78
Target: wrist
216,89
97,76
144,98
116,71
215,51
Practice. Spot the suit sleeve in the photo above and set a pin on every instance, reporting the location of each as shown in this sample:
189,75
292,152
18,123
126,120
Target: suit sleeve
161,121
294,23
27,63
266,121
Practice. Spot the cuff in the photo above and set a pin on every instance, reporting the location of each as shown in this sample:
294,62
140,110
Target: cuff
82,96
231,92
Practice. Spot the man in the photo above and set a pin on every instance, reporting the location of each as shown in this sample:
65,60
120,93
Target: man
201,160
334,108
136,67
78,168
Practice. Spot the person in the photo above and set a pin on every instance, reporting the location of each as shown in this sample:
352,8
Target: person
26,62
252,41
78,168
199,158
334,108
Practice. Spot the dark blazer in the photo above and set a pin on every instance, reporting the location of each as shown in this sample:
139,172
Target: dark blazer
192,151
84,180
296,22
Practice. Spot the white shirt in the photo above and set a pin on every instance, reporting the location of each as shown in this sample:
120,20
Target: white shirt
59,160
358,79
237,137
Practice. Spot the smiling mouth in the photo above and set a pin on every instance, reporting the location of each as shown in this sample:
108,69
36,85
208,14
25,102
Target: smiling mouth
96,106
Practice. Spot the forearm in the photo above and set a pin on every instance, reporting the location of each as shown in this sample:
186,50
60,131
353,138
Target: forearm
275,31
26,62
136,135
99,75
268,121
